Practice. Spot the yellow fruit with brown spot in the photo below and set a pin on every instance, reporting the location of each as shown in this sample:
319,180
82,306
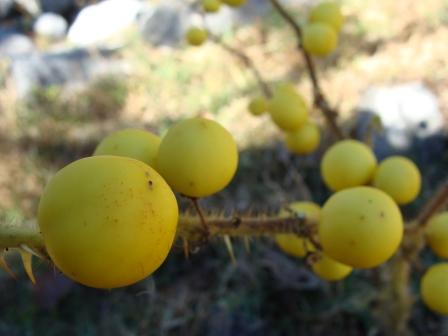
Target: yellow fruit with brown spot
107,221
361,227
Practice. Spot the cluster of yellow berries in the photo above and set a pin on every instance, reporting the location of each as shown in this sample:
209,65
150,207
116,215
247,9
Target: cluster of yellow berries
109,220
289,111
196,36
359,226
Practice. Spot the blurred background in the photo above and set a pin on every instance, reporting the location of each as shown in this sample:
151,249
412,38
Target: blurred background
72,71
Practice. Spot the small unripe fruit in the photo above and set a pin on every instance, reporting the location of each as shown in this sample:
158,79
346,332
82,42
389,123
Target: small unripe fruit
234,3
288,109
331,270
305,140
347,163
211,6
434,289
258,106
196,36
329,13
437,234
399,177
319,39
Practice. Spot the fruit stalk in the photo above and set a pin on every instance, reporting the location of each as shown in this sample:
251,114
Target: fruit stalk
17,235
320,101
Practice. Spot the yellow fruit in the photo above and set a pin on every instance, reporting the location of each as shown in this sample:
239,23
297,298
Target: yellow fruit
288,109
107,221
196,36
346,164
399,177
258,105
234,3
437,234
291,243
319,39
360,227
329,13
211,6
434,289
305,140
197,157
330,270
134,143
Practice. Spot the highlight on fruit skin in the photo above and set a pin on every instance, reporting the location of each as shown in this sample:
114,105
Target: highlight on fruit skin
211,6
361,227
107,221
258,105
400,178
288,108
328,13
319,39
305,140
133,143
196,36
234,3
434,289
197,157
291,243
437,234
346,164
329,269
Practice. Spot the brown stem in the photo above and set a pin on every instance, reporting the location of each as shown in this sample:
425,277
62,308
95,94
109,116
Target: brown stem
435,204
247,62
320,101
201,216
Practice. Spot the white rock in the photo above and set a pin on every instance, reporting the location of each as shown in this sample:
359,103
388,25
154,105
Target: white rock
97,23
50,26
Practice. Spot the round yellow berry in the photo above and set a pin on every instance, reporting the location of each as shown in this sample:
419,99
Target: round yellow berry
107,221
134,143
437,234
360,227
319,39
331,270
234,3
288,109
347,163
211,6
291,243
258,105
196,36
434,289
305,140
197,157
329,13
399,177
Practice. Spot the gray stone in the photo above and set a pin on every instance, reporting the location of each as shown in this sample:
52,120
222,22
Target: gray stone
98,23
407,112
13,43
72,69
50,26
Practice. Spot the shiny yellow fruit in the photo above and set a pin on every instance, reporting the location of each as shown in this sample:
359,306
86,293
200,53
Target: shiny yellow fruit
437,234
434,289
107,221
134,143
400,178
288,109
211,6
346,164
197,157
319,39
258,105
291,243
330,270
305,140
196,36
360,227
329,13
234,3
